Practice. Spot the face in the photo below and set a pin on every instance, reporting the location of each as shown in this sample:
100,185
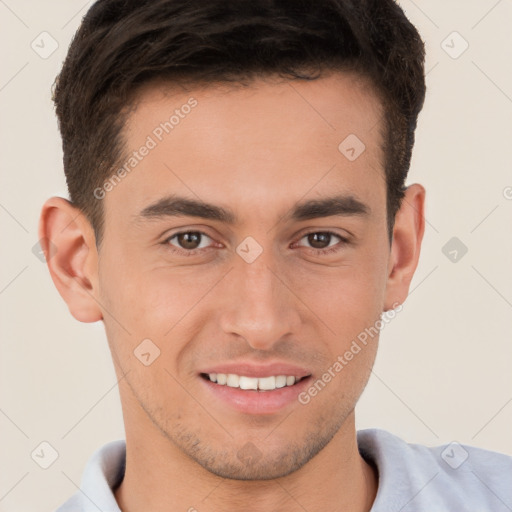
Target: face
243,242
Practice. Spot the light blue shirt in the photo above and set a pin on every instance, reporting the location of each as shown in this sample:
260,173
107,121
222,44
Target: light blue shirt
412,477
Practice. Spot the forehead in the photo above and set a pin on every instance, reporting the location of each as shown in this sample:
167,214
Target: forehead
337,101
266,142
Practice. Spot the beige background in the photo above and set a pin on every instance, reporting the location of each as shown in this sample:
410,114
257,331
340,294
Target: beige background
443,371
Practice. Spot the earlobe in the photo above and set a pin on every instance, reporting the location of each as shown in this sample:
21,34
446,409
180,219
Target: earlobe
405,248
68,242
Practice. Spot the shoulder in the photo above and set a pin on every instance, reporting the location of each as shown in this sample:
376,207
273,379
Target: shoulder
102,474
454,476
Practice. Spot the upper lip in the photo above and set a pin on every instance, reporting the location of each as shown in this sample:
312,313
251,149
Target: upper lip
250,369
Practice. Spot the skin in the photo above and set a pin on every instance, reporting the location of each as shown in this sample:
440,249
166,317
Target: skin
258,151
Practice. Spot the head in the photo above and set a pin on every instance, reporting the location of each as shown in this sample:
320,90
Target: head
236,173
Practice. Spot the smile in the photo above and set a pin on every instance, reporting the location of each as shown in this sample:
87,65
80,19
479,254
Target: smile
269,383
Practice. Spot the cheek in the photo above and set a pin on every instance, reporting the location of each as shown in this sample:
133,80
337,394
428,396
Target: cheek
149,296
345,299
351,311
155,303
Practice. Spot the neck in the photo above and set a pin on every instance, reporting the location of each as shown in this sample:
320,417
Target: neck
160,477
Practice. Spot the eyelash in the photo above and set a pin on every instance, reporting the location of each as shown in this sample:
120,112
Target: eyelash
343,242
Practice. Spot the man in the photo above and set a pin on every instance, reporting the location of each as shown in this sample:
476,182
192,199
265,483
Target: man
239,222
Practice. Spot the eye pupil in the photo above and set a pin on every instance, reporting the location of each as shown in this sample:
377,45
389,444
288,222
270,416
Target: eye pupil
319,240
189,240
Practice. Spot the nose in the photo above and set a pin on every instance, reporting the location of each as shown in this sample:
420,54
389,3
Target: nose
259,305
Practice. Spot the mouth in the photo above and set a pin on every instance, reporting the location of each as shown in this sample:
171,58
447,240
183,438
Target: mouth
259,384
263,394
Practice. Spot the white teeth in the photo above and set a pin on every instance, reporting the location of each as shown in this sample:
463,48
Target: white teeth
233,380
248,382
290,381
266,383
262,383
280,381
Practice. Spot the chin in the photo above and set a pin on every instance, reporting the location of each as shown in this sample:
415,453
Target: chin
256,460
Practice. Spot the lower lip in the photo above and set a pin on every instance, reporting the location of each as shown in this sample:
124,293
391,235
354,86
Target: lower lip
251,401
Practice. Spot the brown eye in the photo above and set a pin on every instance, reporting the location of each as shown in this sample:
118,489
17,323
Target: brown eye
189,240
321,239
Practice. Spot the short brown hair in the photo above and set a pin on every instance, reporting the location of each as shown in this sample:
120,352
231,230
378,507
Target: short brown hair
124,44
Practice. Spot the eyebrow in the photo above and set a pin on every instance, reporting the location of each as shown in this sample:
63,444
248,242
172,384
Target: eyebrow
342,205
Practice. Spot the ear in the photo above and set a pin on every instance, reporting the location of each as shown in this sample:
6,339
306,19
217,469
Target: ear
68,242
405,248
